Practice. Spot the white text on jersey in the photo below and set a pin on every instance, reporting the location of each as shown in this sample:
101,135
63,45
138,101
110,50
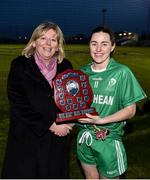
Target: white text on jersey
100,99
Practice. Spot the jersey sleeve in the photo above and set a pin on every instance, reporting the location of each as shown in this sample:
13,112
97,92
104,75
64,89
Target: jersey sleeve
131,91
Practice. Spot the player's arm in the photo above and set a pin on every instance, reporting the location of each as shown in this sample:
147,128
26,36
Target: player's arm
123,114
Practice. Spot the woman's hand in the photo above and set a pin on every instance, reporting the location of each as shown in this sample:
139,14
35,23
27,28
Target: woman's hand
121,115
61,129
91,119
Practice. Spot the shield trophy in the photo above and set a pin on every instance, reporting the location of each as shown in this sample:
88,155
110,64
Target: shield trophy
73,95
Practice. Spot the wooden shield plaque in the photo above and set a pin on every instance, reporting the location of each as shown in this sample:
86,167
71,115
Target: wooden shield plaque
73,95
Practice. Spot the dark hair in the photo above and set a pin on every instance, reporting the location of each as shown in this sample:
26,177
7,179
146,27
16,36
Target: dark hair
105,30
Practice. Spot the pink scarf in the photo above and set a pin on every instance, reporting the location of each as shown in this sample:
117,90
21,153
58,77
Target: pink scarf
48,71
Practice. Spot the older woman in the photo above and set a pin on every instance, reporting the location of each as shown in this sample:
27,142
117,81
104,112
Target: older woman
37,147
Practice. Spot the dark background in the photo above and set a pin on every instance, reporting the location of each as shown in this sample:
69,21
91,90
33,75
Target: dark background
18,18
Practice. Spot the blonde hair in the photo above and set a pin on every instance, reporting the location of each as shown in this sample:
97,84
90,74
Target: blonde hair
29,50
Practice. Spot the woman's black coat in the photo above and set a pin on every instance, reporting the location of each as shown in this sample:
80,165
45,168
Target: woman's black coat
32,150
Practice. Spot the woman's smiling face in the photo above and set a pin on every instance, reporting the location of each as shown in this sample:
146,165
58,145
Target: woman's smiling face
46,45
101,47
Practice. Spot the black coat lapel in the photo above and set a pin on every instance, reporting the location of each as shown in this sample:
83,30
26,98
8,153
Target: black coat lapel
34,72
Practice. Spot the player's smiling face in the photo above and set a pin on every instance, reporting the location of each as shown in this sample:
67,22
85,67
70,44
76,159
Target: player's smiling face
101,47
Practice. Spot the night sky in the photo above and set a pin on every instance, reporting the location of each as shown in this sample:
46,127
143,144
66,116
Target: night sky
20,17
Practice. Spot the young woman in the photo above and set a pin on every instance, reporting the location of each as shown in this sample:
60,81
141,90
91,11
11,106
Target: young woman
116,91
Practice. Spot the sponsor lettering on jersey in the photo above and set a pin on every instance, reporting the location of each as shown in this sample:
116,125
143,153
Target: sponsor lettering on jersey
101,99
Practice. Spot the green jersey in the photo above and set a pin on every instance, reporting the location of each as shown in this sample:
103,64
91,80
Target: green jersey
113,89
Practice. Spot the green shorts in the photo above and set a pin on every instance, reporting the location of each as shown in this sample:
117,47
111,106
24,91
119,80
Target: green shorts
108,155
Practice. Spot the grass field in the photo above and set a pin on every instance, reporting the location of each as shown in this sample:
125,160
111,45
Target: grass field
137,130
